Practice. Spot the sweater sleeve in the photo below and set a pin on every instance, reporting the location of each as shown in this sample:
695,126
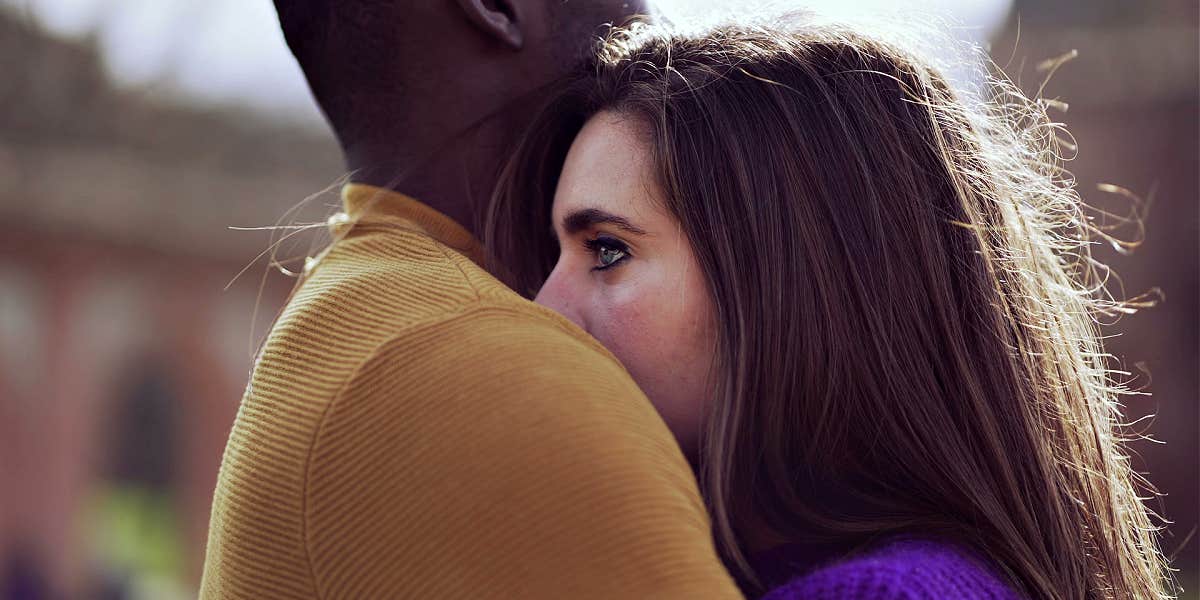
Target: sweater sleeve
903,570
864,581
492,455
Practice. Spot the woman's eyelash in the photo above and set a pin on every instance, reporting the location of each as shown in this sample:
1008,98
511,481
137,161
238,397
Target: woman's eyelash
609,252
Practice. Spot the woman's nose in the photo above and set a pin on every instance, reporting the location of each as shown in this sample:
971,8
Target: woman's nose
557,295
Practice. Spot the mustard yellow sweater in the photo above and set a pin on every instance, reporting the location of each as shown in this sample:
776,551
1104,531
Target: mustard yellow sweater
414,429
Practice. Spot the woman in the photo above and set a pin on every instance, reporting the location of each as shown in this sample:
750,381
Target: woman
860,301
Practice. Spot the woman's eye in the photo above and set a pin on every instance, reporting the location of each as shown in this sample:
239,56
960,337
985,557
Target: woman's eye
608,257
608,252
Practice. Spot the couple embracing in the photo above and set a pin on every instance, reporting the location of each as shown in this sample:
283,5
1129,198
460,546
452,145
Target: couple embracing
764,309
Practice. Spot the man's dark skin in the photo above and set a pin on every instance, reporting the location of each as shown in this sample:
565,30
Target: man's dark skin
428,97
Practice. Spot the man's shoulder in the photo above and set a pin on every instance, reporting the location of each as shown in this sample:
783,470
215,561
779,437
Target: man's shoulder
409,306
384,286
496,421
517,334
363,340
397,274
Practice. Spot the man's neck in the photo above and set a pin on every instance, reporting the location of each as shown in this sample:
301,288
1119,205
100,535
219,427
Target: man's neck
453,175
442,185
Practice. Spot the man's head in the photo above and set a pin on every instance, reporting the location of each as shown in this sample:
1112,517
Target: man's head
389,72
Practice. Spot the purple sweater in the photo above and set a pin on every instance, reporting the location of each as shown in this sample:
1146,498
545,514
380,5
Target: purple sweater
901,569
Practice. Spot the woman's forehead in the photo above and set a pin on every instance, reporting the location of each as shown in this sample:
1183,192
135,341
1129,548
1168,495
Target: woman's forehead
610,167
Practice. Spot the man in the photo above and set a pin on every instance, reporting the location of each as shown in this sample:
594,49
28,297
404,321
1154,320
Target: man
412,428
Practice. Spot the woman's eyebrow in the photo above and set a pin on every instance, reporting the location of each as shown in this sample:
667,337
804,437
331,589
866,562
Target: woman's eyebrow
584,218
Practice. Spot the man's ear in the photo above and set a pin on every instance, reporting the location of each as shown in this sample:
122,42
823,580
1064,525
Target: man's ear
496,18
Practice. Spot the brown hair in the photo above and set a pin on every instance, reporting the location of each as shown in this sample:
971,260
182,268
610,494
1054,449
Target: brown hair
904,296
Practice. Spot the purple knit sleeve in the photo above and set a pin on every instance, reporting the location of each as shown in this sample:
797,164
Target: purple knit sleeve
902,570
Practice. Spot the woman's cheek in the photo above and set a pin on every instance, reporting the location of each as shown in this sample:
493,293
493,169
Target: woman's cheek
644,326
652,325
625,323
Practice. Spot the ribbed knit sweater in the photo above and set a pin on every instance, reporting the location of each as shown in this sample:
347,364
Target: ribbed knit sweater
899,569
414,429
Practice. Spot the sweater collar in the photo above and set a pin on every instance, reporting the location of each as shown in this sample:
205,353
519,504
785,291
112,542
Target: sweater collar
362,202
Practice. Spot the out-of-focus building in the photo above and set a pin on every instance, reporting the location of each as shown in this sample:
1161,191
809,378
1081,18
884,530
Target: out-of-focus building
123,358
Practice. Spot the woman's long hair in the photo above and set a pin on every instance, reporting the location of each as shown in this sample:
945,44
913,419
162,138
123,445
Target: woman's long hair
906,305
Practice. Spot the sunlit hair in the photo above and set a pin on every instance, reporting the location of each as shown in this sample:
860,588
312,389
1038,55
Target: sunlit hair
906,303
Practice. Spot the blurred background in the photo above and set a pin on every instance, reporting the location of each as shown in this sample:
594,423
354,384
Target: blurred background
134,134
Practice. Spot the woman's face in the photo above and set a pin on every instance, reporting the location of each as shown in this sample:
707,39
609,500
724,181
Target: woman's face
627,274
